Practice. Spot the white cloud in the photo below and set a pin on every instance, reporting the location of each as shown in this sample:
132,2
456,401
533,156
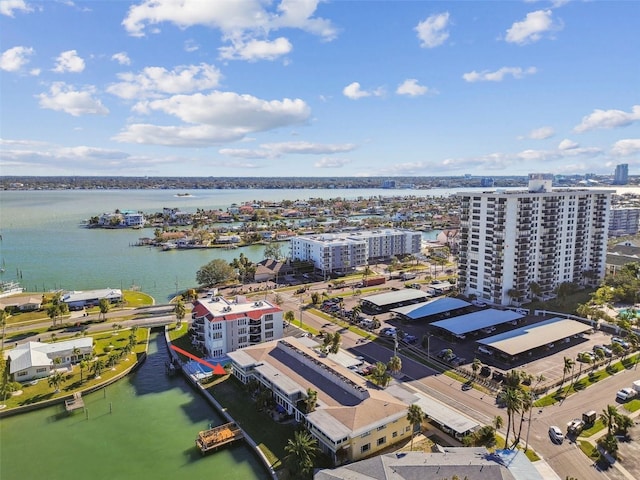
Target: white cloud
69,61
218,117
191,45
567,144
13,59
541,133
531,28
254,50
122,58
608,119
354,91
411,87
331,163
241,23
432,32
7,7
65,98
154,81
35,72
626,147
498,75
275,150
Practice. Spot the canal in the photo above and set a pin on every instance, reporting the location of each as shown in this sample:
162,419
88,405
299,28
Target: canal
142,427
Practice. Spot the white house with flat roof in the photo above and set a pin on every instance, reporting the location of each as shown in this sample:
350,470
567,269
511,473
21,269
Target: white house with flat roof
91,297
34,360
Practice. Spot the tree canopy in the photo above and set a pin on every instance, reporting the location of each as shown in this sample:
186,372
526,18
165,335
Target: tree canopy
215,272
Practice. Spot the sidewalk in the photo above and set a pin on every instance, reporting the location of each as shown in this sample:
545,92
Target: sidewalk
593,441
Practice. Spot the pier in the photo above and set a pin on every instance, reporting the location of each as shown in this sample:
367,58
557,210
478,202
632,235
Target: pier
216,437
74,403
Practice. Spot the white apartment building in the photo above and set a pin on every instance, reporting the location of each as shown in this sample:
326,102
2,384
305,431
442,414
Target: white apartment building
510,240
222,326
624,221
346,251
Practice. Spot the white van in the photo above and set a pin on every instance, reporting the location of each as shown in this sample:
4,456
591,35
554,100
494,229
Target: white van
485,350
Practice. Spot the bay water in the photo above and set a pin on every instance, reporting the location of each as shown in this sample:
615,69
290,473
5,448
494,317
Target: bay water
142,427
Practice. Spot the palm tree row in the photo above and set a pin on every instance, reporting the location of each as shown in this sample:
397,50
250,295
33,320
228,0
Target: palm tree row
518,401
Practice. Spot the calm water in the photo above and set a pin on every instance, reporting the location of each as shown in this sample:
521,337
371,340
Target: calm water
150,434
44,246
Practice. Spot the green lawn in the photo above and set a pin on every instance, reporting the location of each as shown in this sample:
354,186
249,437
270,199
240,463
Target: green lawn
597,426
104,343
270,436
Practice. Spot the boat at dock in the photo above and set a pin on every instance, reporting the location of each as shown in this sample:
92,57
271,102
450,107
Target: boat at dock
216,437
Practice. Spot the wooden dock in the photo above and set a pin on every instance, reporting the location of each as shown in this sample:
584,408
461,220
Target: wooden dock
74,403
216,437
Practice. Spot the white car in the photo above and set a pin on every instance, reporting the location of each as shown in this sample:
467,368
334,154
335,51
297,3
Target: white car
625,394
556,434
621,342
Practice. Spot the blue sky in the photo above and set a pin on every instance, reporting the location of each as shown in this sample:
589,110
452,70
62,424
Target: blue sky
309,88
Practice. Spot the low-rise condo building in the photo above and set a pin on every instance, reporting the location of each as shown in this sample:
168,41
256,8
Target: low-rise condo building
343,252
221,326
349,419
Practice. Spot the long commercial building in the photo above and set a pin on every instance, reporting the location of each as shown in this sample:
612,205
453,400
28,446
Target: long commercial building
516,245
346,251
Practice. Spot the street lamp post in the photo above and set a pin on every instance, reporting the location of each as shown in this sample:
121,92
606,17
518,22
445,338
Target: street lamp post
429,335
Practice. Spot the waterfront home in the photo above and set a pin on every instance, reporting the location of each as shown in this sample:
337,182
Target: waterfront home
270,270
350,420
221,325
21,303
33,360
80,299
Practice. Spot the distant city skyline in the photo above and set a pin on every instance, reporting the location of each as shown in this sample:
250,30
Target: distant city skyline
318,89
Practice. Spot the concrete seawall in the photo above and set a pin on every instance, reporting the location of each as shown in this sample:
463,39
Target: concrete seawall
228,418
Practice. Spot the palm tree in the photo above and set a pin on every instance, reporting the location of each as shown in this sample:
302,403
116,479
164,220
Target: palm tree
609,417
526,399
301,451
513,402
380,375
3,323
97,367
83,365
568,366
76,353
395,364
55,380
475,366
104,306
623,424
311,400
415,416
335,343
498,422
180,310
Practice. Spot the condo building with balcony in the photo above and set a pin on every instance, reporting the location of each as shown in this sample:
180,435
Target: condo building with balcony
516,245
346,251
221,326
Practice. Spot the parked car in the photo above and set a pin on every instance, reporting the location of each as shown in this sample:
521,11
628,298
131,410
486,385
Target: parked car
484,350
556,434
388,332
582,357
443,352
410,338
623,343
575,426
489,330
497,376
479,303
415,285
625,394
460,336
606,350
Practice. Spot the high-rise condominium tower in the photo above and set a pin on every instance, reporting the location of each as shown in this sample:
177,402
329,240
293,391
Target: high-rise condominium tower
516,245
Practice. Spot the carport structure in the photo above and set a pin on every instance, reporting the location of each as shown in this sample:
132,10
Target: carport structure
433,307
530,337
384,302
442,415
471,322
